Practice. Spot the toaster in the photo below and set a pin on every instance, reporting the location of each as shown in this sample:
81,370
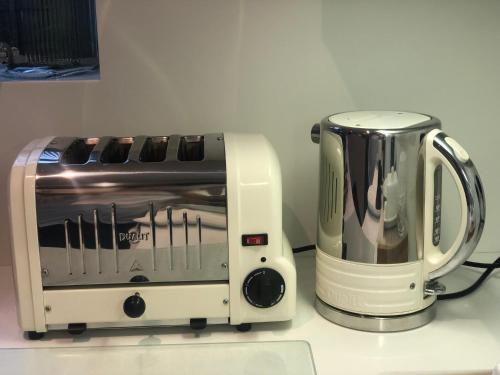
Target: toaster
149,231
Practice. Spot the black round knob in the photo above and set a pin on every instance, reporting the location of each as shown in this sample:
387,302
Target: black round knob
264,287
134,306
139,279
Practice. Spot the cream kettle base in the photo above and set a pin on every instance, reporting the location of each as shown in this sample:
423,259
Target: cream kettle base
372,323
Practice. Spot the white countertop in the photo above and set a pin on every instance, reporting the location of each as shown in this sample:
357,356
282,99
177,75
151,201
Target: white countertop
464,338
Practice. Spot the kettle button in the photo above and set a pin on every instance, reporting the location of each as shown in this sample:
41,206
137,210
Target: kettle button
459,151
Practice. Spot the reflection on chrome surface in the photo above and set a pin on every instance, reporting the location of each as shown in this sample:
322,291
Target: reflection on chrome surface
368,193
112,208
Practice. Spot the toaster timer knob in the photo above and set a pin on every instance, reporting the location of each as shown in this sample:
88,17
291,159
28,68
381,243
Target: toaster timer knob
134,306
264,287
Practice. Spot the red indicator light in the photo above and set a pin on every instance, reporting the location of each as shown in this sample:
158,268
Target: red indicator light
254,239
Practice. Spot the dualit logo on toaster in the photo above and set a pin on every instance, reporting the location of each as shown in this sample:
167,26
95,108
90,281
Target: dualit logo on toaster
133,236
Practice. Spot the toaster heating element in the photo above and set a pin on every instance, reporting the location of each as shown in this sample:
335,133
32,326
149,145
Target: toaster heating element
159,230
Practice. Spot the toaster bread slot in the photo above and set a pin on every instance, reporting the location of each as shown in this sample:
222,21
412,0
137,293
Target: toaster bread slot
154,150
191,148
79,151
117,150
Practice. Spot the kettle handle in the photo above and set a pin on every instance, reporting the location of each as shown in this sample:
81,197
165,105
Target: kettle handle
439,149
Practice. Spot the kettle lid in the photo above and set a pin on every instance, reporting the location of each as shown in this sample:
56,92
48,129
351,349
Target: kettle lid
380,120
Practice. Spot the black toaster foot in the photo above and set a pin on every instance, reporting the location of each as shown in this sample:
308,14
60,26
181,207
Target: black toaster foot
33,335
77,328
198,323
244,327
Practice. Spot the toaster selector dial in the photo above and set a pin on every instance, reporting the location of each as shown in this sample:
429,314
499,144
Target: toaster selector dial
264,287
134,306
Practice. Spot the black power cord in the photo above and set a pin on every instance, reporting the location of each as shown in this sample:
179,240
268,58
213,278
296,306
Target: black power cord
489,268
303,248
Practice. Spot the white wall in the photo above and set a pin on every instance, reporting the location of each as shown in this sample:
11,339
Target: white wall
28,111
276,67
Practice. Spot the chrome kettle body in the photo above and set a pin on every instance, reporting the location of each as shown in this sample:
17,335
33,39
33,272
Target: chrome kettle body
379,217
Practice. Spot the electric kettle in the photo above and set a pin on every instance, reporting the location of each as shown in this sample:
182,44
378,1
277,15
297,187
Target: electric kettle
378,254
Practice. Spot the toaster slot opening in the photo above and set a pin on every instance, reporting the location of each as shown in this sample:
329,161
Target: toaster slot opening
117,150
154,150
191,148
79,151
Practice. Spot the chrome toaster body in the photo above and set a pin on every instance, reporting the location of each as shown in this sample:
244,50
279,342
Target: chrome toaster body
158,214
149,231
